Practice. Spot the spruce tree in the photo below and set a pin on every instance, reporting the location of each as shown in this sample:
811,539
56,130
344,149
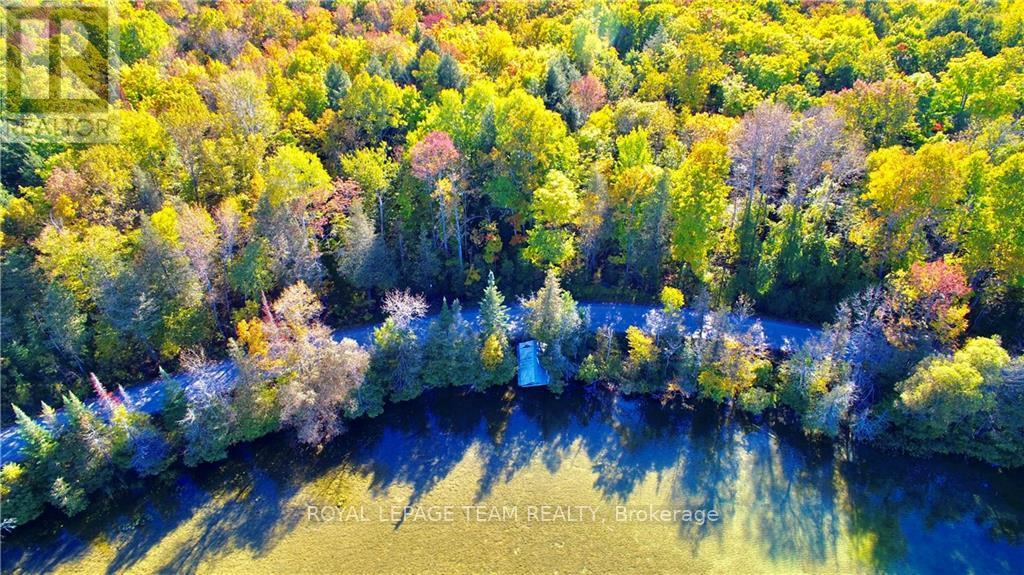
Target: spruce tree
449,75
554,321
450,350
39,441
435,349
338,83
465,361
175,404
493,311
488,131
85,452
375,68
428,44
496,355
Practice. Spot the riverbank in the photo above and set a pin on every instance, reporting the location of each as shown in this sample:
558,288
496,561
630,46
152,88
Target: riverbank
291,372
148,397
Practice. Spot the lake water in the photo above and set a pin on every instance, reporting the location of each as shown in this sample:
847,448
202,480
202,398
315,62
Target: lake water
516,481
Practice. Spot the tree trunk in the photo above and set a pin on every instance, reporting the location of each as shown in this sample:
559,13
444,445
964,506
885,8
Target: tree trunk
458,234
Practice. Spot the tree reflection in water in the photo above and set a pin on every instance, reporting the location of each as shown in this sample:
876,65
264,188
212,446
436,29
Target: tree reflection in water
793,500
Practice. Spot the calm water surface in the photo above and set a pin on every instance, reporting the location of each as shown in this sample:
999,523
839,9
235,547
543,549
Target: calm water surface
783,505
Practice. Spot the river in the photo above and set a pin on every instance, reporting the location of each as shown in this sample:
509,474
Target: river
518,481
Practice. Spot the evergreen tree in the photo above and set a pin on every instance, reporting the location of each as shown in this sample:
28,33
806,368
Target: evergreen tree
86,439
375,68
84,424
85,456
68,496
449,75
174,402
424,267
493,311
561,74
39,441
555,322
338,83
488,131
427,44
450,356
436,348
402,75
135,443
496,355
363,257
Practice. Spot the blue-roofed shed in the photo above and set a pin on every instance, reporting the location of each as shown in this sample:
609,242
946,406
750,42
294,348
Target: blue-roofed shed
531,372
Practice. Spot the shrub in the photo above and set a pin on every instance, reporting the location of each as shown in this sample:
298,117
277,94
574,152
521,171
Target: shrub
755,400
18,496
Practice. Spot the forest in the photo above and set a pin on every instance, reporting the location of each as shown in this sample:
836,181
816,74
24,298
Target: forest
281,170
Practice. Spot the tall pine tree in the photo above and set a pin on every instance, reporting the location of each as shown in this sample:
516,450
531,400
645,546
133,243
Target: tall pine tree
495,352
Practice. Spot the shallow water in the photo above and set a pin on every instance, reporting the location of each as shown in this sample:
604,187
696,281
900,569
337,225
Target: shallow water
521,482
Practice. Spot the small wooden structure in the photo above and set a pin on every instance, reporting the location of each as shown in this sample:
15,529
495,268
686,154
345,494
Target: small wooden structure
531,372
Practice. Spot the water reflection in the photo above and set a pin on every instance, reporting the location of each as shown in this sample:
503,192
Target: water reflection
791,501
